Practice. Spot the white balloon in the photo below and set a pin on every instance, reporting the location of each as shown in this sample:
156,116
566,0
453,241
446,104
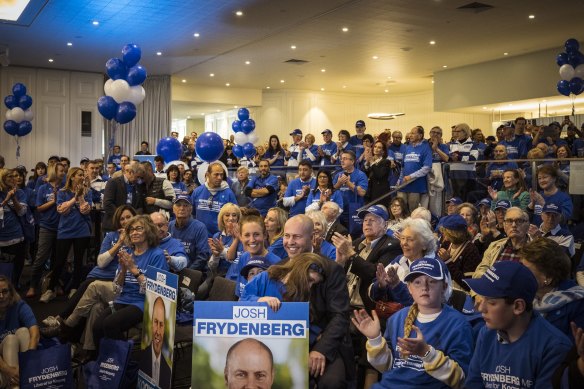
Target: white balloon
579,71
9,114
177,162
136,95
17,114
240,138
202,171
252,137
120,90
28,115
566,72
107,87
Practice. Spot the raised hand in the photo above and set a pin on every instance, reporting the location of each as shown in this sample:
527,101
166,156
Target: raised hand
367,325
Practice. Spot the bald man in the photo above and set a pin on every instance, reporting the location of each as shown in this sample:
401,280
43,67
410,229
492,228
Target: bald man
153,362
249,364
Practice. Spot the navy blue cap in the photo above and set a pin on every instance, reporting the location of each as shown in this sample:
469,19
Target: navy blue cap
258,261
455,201
505,279
296,132
485,202
377,210
327,131
431,267
505,204
360,123
182,198
551,207
454,222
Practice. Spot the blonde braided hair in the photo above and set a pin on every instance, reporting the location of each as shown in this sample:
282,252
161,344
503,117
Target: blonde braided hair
412,314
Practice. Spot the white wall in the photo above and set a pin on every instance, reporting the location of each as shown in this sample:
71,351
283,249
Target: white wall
59,97
283,111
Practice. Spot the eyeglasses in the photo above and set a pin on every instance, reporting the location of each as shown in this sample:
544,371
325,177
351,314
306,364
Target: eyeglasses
137,229
516,221
4,292
160,225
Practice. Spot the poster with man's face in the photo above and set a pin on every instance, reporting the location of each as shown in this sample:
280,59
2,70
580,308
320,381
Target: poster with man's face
242,344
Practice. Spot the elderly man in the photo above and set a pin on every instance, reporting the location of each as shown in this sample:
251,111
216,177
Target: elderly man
123,190
173,249
263,189
191,233
507,249
211,196
331,356
495,170
357,140
327,149
298,189
550,228
159,191
293,152
332,211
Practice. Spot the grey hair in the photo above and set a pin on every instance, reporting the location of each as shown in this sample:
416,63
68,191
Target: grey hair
334,205
318,216
421,213
524,214
464,127
423,229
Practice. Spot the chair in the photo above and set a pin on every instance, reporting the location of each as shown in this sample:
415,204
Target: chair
222,290
191,279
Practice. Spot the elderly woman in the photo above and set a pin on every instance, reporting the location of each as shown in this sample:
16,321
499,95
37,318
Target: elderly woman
19,332
471,215
462,149
559,299
319,244
12,207
226,246
130,281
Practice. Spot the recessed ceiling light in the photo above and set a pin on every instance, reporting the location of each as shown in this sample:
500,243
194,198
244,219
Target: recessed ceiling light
196,35
432,81
389,77
50,60
247,62
183,81
69,44
444,66
267,87
432,42
293,47
212,75
189,116
344,87
159,53
484,107
544,100
235,106
323,70
282,81
345,29
239,13
505,53
375,57
387,90
531,16
322,89
203,113
95,23
227,84
217,110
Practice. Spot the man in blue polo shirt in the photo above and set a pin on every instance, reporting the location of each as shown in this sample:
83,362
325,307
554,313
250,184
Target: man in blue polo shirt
352,183
327,149
298,189
263,189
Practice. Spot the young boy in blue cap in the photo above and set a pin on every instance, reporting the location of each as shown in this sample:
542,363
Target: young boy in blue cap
517,348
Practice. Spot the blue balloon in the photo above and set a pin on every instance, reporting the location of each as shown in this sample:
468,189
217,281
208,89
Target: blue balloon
136,75
10,101
236,126
238,151
107,107
572,46
11,127
131,54
25,102
19,90
126,112
564,87
209,146
576,85
243,114
576,59
116,69
169,148
249,150
24,128
247,126
562,59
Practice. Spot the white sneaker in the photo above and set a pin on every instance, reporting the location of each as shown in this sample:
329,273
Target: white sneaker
72,292
51,321
47,296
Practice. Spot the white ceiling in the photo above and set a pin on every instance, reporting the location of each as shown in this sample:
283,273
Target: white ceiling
397,31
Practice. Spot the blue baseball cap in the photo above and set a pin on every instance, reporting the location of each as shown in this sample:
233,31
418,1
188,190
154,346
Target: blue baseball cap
551,207
485,202
454,222
296,132
360,123
378,210
505,279
454,200
327,131
182,198
431,267
506,204
258,261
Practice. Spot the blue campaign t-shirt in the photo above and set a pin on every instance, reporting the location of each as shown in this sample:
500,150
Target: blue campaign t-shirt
17,315
561,199
415,158
109,270
358,178
10,227
398,152
224,266
499,168
279,161
314,197
48,219
206,206
295,188
516,148
179,188
194,237
328,149
73,224
261,286
131,289
263,204
245,257
357,145
442,147
277,248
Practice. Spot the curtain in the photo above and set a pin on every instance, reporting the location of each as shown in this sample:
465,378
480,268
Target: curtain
152,122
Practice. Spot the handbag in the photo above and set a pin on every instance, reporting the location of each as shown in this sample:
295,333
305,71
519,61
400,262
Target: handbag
111,367
385,309
46,368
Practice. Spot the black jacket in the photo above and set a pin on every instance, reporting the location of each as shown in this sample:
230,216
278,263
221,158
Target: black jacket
114,195
336,227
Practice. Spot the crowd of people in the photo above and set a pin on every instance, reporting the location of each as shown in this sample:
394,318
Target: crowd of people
422,264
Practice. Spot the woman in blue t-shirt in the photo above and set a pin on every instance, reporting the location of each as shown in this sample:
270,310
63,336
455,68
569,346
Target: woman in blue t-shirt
73,206
226,246
173,174
19,332
130,281
48,221
274,222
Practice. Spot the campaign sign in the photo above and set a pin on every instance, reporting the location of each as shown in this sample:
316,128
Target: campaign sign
48,368
247,344
158,329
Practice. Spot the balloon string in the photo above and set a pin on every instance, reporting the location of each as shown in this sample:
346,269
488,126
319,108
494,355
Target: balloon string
17,149
112,140
573,98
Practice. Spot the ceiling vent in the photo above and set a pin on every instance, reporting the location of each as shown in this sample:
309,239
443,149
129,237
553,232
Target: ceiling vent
475,7
296,61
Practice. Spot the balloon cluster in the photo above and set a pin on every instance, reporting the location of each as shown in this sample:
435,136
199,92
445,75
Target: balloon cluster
19,115
124,89
571,65
244,135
